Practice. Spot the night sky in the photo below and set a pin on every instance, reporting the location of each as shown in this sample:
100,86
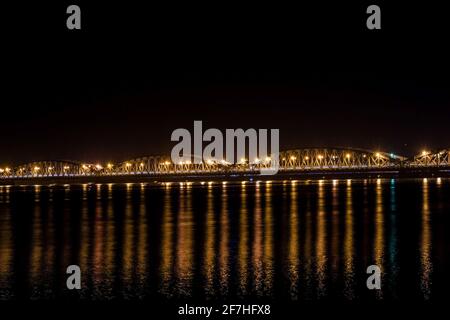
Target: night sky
117,89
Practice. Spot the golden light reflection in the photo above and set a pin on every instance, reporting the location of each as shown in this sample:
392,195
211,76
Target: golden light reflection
167,242
84,191
335,234
37,193
109,235
224,240
128,237
349,244
268,241
321,243
98,242
293,268
66,192
257,250
379,231
243,242
99,189
142,234
110,185
426,264
185,254
209,264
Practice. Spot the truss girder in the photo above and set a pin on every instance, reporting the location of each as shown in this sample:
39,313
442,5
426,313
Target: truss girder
295,160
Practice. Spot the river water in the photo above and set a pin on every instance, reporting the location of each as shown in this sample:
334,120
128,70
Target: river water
268,241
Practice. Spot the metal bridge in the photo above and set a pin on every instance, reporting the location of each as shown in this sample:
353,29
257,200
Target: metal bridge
311,159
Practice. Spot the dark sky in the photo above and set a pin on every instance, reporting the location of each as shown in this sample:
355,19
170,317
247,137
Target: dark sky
120,86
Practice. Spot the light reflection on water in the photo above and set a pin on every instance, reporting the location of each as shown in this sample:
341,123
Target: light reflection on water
425,243
296,240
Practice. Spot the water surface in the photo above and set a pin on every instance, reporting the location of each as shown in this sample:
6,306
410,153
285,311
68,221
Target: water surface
279,241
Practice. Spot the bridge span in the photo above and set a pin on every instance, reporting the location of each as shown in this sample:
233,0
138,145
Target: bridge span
297,163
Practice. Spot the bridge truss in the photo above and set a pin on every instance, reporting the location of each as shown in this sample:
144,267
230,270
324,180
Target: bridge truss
310,159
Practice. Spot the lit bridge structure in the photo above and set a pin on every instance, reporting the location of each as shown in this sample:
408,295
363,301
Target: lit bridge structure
297,161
